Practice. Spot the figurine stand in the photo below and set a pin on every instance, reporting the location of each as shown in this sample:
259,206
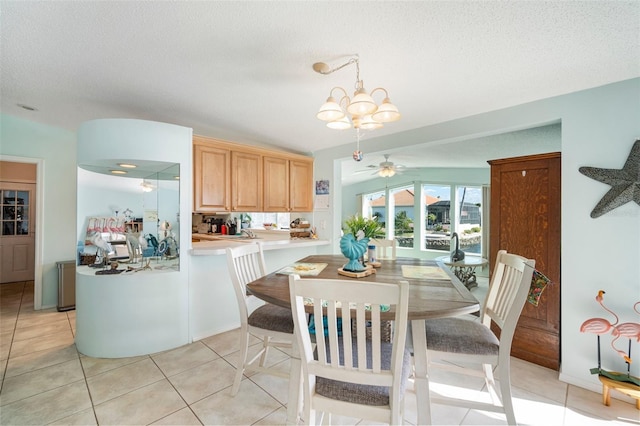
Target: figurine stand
368,271
626,388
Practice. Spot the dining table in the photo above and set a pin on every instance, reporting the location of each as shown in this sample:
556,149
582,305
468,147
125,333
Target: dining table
434,292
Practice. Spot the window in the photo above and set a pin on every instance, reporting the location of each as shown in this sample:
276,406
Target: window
469,218
281,219
440,218
402,209
437,211
375,206
15,212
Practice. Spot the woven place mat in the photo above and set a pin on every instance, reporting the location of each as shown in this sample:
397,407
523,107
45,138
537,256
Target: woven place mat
424,272
303,269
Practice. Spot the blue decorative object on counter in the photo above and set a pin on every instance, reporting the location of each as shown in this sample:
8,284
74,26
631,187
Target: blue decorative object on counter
353,250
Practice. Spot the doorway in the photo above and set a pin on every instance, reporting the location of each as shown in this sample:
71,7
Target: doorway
17,233
20,175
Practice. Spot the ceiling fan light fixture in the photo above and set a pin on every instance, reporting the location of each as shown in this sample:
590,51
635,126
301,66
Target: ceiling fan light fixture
387,172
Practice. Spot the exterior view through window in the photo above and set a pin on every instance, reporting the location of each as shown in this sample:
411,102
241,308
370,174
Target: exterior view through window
441,217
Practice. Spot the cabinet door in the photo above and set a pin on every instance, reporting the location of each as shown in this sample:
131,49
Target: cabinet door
276,184
211,179
525,220
301,188
246,182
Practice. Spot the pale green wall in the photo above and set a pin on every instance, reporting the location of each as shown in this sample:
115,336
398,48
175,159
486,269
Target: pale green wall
57,148
599,127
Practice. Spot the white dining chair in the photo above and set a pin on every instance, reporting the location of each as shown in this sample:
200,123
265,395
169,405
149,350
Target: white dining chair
385,248
351,375
455,341
272,324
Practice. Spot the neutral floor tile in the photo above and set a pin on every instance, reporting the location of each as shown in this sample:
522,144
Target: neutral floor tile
142,406
184,358
114,383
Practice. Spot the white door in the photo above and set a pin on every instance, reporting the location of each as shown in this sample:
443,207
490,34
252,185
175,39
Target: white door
17,232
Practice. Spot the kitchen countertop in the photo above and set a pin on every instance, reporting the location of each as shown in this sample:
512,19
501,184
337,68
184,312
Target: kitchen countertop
216,244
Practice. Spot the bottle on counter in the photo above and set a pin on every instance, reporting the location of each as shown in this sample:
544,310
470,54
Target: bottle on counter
371,252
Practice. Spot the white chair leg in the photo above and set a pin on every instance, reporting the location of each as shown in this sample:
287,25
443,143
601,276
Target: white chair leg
265,349
295,389
505,390
491,384
242,361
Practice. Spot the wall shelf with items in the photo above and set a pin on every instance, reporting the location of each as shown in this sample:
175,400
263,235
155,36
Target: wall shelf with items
143,191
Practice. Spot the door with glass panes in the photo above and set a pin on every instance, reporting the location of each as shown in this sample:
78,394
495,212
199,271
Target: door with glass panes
17,234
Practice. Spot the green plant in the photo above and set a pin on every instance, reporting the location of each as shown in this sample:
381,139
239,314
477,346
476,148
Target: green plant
370,227
403,223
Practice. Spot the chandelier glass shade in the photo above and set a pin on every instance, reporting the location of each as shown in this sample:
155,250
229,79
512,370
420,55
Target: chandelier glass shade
360,111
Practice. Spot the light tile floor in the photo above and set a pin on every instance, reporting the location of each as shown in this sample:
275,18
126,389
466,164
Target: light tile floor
46,381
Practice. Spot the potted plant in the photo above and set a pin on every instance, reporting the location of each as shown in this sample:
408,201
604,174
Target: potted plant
357,233
245,221
371,228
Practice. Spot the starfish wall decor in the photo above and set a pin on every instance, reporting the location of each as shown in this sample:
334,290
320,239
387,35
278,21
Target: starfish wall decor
625,183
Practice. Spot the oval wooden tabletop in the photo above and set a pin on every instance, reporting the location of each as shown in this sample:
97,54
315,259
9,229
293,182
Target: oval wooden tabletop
435,292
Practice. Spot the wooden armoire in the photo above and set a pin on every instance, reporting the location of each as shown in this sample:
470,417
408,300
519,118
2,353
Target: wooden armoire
525,220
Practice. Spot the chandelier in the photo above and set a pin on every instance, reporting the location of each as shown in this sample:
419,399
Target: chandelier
360,111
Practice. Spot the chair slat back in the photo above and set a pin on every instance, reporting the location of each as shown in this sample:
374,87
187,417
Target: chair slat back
508,291
333,300
385,248
246,263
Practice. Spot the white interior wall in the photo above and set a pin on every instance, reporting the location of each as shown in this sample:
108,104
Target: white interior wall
55,150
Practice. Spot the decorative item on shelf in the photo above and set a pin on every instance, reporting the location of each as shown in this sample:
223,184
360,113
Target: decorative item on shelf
165,226
456,253
361,111
300,228
623,382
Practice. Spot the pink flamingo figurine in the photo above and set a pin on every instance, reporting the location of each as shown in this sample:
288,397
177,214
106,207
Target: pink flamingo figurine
630,330
599,326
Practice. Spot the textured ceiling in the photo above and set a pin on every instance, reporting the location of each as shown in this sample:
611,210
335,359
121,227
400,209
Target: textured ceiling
242,70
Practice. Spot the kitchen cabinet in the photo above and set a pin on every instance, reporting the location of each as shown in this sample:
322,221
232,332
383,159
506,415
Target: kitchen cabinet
525,220
246,182
301,185
231,177
211,177
288,184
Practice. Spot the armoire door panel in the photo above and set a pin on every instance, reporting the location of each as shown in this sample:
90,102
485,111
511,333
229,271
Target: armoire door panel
525,220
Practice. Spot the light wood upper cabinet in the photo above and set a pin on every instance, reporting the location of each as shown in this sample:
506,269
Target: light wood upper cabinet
211,178
276,184
230,177
301,185
246,182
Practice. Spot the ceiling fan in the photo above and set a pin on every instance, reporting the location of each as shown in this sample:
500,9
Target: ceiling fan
386,168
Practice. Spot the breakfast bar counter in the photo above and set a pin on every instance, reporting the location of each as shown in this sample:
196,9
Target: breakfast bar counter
212,302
